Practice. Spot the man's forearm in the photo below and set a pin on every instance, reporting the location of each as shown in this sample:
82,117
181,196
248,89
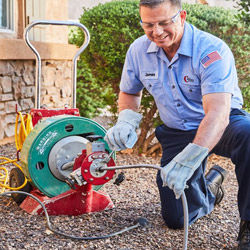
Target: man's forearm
211,129
128,101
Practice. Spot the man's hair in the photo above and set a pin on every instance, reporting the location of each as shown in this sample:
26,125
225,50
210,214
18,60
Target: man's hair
155,3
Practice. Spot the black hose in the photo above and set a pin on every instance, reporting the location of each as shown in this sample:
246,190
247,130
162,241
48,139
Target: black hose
140,222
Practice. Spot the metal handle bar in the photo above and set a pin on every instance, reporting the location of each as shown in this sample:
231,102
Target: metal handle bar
38,58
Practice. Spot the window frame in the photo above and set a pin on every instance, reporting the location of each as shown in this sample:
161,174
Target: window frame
10,18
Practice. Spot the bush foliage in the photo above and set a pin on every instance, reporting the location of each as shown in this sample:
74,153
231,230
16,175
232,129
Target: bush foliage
115,25
244,9
90,97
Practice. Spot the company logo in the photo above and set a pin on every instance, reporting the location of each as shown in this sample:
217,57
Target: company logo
188,79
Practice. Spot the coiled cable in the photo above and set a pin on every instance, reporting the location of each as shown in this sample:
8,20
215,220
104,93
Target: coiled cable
20,135
5,176
26,126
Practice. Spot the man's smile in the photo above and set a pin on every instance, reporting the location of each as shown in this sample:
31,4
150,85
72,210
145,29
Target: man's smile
161,39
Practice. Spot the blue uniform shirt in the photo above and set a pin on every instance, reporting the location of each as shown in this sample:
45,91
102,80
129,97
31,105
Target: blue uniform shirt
203,64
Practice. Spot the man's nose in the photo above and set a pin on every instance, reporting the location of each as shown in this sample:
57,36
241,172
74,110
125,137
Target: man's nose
157,29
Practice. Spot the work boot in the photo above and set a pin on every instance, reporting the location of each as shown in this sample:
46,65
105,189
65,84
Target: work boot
244,235
215,177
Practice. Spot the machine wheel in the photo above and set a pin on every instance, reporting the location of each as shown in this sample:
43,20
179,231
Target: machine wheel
16,180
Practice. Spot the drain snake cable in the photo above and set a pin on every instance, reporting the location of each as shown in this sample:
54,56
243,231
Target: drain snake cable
140,222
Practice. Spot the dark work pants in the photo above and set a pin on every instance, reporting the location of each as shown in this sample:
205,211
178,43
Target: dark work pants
235,144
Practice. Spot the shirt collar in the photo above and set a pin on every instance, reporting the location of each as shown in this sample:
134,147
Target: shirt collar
152,48
185,46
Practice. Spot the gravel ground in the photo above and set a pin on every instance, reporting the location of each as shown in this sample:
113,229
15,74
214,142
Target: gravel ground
136,197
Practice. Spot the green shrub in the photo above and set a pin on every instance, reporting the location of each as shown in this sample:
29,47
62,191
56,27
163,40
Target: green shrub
90,97
115,25
243,13
112,27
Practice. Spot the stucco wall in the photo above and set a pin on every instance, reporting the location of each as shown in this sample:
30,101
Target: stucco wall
75,7
47,10
56,10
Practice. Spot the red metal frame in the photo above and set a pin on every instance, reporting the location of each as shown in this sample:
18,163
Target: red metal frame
73,202
79,160
38,114
77,201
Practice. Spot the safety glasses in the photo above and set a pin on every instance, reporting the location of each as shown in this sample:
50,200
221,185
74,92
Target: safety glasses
164,24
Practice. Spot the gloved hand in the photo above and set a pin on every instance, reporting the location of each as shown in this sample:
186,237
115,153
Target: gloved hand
123,134
176,173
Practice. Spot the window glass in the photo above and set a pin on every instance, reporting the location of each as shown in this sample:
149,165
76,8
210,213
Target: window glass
6,14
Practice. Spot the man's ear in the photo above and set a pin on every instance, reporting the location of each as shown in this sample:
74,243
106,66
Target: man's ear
183,16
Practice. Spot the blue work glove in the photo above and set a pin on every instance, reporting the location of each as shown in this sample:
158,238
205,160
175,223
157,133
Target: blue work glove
176,173
123,134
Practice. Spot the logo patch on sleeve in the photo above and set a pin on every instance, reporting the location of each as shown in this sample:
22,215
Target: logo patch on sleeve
210,58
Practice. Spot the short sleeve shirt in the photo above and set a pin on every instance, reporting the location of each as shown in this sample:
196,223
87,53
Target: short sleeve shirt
203,64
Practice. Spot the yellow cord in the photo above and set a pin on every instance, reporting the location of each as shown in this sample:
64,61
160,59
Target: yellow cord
25,127
4,177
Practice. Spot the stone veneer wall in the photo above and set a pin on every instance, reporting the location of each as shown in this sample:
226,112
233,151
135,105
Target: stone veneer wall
17,87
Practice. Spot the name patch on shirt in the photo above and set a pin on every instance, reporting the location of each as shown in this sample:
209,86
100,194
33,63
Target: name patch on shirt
150,75
210,58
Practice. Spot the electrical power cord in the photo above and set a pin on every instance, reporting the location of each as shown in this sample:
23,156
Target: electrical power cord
139,222
20,135
26,126
4,177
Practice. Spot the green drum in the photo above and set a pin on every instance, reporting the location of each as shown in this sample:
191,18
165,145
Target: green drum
53,143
